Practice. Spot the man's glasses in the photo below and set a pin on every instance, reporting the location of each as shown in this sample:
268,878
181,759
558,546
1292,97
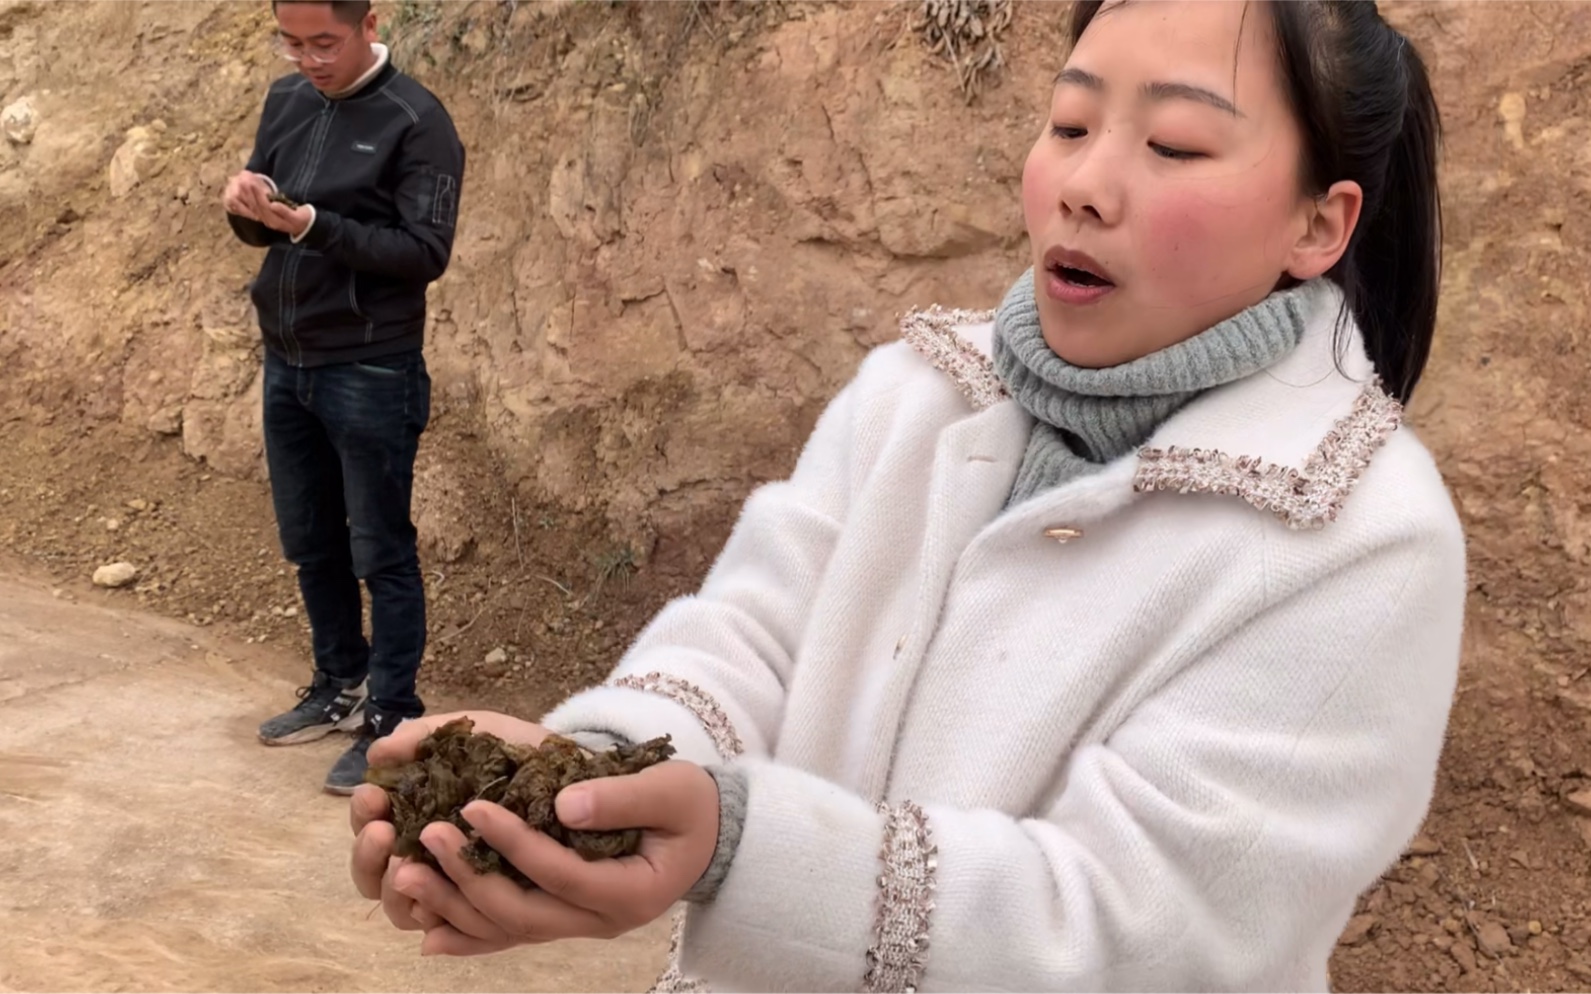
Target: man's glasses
319,54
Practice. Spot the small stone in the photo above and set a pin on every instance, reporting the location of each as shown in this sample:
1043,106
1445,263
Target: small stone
113,524
19,122
1579,802
1534,927
132,161
1424,845
1520,858
1451,926
115,575
138,505
166,421
1443,942
497,656
1494,940
1359,929
1464,956
290,612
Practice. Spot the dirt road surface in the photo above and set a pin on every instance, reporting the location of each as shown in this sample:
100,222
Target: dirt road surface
149,843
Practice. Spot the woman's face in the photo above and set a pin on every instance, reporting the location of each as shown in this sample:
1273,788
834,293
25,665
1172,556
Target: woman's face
1163,196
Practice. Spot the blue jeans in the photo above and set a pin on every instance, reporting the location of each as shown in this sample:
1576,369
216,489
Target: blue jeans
340,442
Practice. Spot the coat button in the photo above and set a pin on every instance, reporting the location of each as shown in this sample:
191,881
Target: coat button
1063,535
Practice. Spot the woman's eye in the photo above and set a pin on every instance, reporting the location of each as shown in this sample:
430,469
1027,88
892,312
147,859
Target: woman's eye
1167,152
1066,131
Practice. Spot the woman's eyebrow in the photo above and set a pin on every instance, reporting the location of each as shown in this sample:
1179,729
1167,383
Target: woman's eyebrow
1187,91
1079,77
1157,91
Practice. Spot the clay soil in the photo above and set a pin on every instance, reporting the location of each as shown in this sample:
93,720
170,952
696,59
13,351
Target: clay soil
539,574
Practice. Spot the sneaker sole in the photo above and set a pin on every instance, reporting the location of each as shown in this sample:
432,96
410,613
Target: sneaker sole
352,723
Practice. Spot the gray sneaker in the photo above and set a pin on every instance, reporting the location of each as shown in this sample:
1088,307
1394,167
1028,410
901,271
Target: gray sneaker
349,770
323,707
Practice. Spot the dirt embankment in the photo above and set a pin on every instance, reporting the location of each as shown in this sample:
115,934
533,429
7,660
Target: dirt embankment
683,226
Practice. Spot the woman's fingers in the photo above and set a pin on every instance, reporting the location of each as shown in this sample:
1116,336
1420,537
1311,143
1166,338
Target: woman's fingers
372,855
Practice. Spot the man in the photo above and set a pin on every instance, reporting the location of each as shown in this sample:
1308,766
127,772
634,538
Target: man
353,190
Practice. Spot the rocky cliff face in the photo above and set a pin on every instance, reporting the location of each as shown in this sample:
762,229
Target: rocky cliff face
684,224
682,227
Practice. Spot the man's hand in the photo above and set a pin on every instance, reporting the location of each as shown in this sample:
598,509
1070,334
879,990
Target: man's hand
373,863
467,913
245,195
290,220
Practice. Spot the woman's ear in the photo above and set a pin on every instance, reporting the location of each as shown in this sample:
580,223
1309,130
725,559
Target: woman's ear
1330,226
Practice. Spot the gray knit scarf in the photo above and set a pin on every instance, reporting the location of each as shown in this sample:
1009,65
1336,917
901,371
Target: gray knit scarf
1088,417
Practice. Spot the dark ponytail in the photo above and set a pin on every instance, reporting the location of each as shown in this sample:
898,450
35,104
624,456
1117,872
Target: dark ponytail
1363,101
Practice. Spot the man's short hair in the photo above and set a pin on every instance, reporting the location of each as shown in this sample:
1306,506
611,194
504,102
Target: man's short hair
346,11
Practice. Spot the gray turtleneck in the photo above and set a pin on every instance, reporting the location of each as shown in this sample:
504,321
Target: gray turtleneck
1085,418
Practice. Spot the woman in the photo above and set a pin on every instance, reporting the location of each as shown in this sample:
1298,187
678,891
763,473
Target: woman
1104,642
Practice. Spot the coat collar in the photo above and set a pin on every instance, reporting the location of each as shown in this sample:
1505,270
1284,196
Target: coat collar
1292,440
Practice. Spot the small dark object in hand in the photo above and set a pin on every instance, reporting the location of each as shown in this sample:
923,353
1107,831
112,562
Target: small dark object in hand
284,200
455,765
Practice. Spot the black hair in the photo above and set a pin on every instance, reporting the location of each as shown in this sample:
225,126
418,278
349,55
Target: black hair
346,11
1363,102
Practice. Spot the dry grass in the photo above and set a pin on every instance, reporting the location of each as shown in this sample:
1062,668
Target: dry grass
967,32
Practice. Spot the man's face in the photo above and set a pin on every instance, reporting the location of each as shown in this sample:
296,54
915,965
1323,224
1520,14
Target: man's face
331,53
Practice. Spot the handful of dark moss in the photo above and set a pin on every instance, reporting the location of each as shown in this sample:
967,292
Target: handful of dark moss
284,200
455,765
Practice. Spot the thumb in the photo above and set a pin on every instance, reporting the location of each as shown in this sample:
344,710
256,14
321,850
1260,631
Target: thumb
400,746
649,799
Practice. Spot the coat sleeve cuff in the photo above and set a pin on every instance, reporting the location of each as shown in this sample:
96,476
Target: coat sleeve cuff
637,715
801,836
308,227
731,821
322,228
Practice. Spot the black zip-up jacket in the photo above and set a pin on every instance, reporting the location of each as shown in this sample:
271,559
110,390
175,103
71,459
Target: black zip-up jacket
383,169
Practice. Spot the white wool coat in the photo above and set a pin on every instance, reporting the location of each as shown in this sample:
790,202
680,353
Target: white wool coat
1155,729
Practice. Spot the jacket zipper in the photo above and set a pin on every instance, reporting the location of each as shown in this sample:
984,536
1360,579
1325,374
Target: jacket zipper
311,164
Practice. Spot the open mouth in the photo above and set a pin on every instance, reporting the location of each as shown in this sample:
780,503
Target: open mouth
1080,277
1075,278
